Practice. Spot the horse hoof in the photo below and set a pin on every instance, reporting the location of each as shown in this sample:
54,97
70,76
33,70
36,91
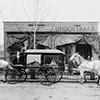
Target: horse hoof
98,83
81,83
85,81
2,81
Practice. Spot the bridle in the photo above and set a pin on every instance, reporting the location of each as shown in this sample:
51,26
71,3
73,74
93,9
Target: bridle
74,61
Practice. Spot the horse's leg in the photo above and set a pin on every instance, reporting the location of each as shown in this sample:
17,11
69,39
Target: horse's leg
2,76
81,77
85,77
98,80
4,72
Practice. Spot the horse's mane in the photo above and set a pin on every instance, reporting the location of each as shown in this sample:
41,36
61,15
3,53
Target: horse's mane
81,58
78,59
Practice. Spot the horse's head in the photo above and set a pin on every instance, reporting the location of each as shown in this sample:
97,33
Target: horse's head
76,59
73,57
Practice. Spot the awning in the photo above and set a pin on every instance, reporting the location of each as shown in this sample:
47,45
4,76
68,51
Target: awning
53,41
56,40
67,39
94,41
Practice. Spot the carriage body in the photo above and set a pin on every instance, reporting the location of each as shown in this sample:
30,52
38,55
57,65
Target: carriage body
49,60
53,57
42,56
33,61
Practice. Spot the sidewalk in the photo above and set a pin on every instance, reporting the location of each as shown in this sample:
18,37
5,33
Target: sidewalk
68,79
76,79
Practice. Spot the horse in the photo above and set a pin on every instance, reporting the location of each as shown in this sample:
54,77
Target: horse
85,65
4,66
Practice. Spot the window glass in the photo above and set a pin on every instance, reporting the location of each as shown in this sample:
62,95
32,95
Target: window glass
32,58
49,58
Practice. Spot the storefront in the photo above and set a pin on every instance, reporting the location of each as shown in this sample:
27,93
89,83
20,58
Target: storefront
69,37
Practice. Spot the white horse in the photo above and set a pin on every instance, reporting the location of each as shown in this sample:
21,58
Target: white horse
4,65
85,65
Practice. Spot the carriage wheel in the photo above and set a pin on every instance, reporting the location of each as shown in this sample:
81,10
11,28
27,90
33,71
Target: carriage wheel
51,74
43,77
59,74
12,76
22,76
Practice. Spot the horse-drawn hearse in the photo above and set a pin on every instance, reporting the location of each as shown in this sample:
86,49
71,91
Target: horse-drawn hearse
47,65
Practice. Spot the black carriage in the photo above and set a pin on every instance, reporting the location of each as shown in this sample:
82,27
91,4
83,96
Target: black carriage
47,65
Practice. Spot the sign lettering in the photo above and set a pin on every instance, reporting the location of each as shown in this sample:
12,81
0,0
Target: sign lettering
75,28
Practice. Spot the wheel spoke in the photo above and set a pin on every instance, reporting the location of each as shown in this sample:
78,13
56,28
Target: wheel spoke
22,76
42,77
12,76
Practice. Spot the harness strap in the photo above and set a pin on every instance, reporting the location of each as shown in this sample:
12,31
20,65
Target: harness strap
80,61
83,65
74,62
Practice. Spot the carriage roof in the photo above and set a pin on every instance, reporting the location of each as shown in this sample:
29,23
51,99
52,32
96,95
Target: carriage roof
44,51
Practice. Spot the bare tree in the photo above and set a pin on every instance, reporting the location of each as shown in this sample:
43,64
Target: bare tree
1,9
39,12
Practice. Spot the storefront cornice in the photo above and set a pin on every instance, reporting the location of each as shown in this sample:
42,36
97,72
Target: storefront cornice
60,27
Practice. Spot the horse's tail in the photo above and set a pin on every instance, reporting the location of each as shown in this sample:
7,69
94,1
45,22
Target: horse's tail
10,66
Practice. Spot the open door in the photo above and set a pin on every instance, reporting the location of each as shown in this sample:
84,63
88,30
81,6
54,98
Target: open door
84,50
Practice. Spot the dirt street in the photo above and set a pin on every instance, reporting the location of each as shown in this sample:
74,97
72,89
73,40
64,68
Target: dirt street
58,91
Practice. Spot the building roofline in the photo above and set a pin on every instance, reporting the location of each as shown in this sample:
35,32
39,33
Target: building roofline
51,21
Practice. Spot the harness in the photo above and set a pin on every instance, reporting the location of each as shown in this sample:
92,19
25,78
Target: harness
73,60
80,62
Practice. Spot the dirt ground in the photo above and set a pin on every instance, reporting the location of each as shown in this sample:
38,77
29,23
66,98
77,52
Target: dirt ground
59,91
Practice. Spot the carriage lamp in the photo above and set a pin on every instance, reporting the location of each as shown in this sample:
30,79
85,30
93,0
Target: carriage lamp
18,55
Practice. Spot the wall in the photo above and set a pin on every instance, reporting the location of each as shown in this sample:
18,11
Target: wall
49,27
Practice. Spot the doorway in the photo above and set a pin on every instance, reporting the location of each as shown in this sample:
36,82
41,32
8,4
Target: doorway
85,50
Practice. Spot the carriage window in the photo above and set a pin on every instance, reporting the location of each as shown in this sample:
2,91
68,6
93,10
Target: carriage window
32,58
48,59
